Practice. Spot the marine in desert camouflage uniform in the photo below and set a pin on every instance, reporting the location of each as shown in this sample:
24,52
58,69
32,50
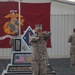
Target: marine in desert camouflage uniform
39,51
72,48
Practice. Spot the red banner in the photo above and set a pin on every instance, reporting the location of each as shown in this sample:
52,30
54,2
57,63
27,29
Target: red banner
31,14
5,8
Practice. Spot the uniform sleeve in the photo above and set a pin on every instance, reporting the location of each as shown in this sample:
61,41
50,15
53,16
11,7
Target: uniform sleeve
33,39
70,39
47,35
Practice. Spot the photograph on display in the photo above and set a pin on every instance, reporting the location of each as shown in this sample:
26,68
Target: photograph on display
17,44
21,58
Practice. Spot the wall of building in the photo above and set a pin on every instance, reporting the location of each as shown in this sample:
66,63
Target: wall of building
62,23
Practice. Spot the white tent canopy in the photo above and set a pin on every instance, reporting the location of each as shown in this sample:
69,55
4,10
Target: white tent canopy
43,1
31,1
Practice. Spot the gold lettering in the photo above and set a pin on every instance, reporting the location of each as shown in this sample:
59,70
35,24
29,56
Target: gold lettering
19,68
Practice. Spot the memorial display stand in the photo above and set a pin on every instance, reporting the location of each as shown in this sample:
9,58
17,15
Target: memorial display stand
21,65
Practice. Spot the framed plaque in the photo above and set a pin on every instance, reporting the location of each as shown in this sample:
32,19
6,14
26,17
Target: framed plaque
21,58
17,44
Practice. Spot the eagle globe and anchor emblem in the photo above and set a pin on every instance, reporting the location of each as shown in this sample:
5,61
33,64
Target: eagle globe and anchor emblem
12,25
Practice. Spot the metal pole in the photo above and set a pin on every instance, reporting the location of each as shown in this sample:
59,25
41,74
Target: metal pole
19,18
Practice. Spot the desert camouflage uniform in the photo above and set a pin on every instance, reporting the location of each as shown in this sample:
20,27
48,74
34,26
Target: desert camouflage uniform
72,49
39,54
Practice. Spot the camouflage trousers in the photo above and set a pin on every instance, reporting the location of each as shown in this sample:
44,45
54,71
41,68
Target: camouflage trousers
72,55
39,67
